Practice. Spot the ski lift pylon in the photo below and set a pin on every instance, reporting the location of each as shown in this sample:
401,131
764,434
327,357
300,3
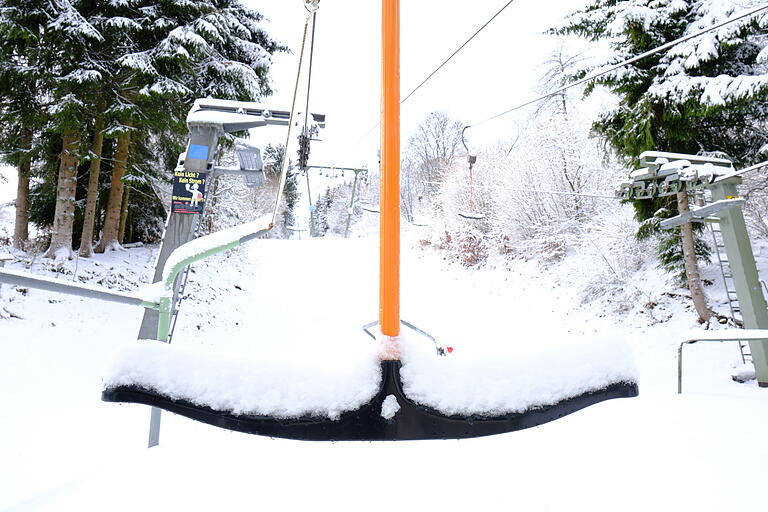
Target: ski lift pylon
471,159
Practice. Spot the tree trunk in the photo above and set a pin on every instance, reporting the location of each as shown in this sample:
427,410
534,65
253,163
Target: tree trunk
124,214
691,265
21,226
110,232
86,242
63,220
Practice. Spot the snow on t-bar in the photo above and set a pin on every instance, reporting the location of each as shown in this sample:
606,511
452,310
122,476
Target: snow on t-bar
485,379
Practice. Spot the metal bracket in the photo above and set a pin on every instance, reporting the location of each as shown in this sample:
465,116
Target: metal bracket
665,174
441,351
702,214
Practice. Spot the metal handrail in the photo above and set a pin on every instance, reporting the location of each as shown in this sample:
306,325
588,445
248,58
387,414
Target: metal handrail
17,278
738,335
163,302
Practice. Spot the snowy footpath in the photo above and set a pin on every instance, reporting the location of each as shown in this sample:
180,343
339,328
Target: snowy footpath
303,303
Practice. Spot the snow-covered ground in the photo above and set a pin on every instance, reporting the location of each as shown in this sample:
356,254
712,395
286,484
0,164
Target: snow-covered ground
61,448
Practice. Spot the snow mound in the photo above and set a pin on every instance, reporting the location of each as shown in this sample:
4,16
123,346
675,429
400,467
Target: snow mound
249,385
389,407
522,376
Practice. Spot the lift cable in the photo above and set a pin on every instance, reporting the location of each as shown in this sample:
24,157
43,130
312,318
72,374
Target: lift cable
438,68
455,52
309,72
494,187
752,168
311,7
597,74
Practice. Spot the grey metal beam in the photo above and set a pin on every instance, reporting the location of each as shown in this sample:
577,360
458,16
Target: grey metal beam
354,169
650,158
701,214
17,278
234,116
179,229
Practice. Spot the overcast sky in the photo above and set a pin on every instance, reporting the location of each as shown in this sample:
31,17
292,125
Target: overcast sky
497,70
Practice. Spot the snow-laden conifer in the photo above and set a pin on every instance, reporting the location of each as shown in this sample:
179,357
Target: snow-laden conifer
706,95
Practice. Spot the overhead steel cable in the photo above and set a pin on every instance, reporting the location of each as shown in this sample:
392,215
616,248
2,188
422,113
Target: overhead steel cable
438,68
311,7
516,189
597,74
309,72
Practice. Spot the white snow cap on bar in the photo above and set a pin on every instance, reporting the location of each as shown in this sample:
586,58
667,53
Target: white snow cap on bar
540,372
153,292
248,385
452,385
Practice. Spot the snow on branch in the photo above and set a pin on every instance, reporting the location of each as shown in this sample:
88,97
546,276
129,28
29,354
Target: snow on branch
140,61
82,76
70,21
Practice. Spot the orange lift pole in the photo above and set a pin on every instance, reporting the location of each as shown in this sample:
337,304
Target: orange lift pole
389,231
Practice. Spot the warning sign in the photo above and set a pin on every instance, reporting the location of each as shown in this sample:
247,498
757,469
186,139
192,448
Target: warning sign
188,191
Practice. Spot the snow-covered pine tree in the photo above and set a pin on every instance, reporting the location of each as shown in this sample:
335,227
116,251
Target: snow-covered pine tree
21,112
273,161
72,76
319,225
179,51
703,96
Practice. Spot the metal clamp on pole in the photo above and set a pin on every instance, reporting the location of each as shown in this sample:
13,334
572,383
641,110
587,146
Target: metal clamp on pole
441,350
702,214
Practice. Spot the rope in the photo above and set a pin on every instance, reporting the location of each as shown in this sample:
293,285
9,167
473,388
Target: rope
556,192
438,68
311,6
628,61
309,73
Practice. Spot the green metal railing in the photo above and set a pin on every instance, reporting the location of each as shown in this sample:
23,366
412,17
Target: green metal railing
174,266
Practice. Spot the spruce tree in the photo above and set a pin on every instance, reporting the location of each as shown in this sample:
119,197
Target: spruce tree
72,76
703,96
21,111
178,51
122,73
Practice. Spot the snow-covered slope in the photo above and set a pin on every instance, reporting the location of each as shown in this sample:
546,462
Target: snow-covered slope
63,449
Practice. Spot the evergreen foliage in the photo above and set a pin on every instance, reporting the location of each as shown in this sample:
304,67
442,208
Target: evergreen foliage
706,95
140,64
319,225
703,96
273,164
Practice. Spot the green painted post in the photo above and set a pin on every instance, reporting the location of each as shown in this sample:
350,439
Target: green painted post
351,204
309,199
163,327
741,259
